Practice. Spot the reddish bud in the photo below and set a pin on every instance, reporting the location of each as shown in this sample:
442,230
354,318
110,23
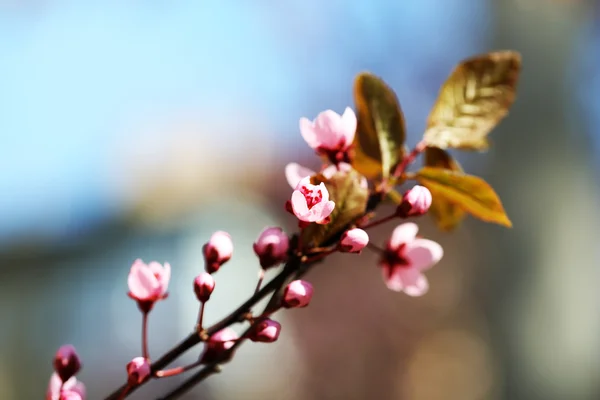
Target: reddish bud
217,251
271,247
297,294
353,241
415,202
204,284
66,362
138,370
217,347
266,331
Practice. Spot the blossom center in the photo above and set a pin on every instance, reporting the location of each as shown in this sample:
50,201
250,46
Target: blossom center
313,197
397,257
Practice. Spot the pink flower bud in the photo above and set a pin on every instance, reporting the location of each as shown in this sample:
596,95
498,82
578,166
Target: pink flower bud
265,331
70,395
415,202
217,251
148,283
72,385
217,346
271,247
66,362
353,241
204,284
138,370
297,294
330,134
310,203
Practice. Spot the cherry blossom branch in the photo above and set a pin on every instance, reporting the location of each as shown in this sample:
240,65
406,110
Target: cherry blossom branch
236,316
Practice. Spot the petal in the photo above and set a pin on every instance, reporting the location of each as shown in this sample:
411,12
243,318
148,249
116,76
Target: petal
294,173
324,192
307,130
349,125
156,268
299,204
423,253
328,129
142,283
54,387
165,277
327,209
392,279
329,171
404,233
419,288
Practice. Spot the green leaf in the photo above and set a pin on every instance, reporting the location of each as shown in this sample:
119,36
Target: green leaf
470,193
474,99
350,202
446,214
381,132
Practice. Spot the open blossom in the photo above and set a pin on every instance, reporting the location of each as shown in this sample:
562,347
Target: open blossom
330,133
295,172
271,247
148,283
310,203
72,385
406,257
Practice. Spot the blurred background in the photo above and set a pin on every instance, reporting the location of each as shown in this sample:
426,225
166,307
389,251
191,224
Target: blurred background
134,129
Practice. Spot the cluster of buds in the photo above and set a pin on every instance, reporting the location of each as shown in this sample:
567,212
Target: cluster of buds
63,384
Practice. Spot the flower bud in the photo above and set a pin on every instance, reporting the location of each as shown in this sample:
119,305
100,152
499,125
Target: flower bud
217,347
217,251
271,247
138,370
266,331
415,202
56,386
66,362
353,241
297,294
70,395
204,284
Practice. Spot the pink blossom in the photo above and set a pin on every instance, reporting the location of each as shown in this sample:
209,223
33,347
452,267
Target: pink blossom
406,257
415,202
310,203
148,283
294,173
271,247
297,294
329,131
70,395
204,284
353,241
266,331
217,346
217,251
72,385
138,370
66,362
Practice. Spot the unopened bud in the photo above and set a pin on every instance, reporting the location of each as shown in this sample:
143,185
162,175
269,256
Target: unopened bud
217,347
297,294
353,241
266,331
415,202
70,395
66,362
217,251
271,247
204,284
138,370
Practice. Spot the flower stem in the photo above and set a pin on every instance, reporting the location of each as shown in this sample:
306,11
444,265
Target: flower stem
145,353
261,278
176,371
378,222
200,316
194,380
410,158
